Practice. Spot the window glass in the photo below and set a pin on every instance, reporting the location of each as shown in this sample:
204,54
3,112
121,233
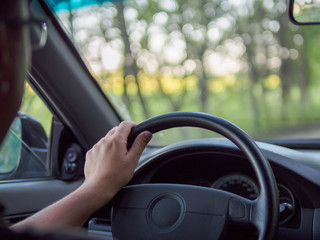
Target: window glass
240,60
33,105
23,153
10,149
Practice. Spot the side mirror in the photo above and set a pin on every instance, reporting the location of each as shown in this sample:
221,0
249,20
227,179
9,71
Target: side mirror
10,149
23,151
304,12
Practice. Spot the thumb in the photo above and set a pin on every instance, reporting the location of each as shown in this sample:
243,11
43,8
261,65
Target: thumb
140,143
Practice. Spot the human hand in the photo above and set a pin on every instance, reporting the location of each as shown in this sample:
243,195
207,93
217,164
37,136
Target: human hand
109,165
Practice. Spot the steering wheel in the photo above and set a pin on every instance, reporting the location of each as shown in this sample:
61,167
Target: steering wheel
173,211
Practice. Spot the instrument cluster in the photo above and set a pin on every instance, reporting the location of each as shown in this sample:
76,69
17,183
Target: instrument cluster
245,186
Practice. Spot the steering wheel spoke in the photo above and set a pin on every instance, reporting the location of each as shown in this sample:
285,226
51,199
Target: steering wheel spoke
172,209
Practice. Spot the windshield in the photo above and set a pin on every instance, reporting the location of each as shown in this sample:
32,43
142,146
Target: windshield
239,59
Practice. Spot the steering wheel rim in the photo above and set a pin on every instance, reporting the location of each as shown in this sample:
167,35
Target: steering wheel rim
263,211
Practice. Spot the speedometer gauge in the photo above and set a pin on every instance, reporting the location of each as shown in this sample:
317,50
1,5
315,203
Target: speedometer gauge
238,184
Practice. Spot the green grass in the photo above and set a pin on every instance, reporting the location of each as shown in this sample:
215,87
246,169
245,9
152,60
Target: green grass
236,106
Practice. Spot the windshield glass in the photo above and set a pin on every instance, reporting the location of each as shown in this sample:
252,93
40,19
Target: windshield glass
239,59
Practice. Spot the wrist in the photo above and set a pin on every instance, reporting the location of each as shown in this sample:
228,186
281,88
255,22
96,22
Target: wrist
99,192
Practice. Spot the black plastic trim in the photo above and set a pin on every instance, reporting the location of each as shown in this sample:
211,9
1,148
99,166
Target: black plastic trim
75,52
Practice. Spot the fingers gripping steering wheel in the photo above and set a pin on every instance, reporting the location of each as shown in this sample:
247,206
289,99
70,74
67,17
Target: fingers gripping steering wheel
172,211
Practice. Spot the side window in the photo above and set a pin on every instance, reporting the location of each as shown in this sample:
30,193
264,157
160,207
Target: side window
23,153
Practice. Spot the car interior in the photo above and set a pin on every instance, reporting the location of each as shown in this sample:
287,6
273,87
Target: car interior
224,185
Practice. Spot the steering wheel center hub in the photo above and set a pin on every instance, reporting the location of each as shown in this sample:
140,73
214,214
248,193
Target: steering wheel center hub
166,212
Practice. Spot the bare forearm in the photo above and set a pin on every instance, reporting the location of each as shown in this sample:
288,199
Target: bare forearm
109,166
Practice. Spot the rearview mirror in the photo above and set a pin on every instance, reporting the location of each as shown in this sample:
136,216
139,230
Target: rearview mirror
304,12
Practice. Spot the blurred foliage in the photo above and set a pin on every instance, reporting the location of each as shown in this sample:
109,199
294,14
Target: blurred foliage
33,105
241,60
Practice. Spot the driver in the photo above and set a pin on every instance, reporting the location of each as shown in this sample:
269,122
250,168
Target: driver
109,166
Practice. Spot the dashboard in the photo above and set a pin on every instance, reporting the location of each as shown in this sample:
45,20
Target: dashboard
225,172
218,163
